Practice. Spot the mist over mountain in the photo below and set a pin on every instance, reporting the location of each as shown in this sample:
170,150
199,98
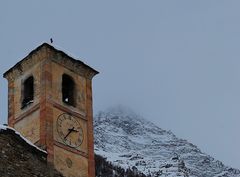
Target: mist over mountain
129,141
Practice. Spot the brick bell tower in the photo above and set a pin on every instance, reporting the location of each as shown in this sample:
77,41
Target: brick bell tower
50,103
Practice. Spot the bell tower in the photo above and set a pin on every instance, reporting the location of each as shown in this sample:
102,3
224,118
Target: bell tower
50,103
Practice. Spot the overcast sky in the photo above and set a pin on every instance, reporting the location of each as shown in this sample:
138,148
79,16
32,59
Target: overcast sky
177,63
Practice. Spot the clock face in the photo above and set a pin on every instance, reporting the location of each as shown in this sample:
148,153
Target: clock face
69,130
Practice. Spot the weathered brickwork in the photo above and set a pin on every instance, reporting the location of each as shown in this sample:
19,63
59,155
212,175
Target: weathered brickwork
80,82
30,127
76,165
11,103
91,163
37,120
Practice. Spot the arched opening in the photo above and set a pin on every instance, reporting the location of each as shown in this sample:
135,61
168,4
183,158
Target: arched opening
68,90
28,91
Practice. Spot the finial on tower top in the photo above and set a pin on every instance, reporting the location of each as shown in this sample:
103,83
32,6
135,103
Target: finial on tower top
51,40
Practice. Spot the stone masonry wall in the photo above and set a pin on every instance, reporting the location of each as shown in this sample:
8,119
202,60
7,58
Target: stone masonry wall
19,159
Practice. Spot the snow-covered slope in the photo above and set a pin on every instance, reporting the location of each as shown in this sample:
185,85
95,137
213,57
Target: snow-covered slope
129,141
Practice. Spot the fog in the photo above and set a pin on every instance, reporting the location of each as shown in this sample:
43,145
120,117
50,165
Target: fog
176,63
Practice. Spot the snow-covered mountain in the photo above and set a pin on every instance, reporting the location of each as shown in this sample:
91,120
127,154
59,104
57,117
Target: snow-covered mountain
129,141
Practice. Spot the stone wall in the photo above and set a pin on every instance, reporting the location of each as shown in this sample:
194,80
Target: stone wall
20,159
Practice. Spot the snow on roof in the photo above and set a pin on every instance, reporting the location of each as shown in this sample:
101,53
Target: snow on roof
3,127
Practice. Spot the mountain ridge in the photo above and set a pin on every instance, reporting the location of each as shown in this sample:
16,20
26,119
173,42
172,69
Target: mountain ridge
129,140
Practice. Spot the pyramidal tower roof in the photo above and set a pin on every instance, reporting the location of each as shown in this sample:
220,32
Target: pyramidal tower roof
52,53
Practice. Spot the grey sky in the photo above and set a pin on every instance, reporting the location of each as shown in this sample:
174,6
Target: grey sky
174,62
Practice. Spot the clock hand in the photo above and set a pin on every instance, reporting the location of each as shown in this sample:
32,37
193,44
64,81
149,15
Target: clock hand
69,131
73,129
